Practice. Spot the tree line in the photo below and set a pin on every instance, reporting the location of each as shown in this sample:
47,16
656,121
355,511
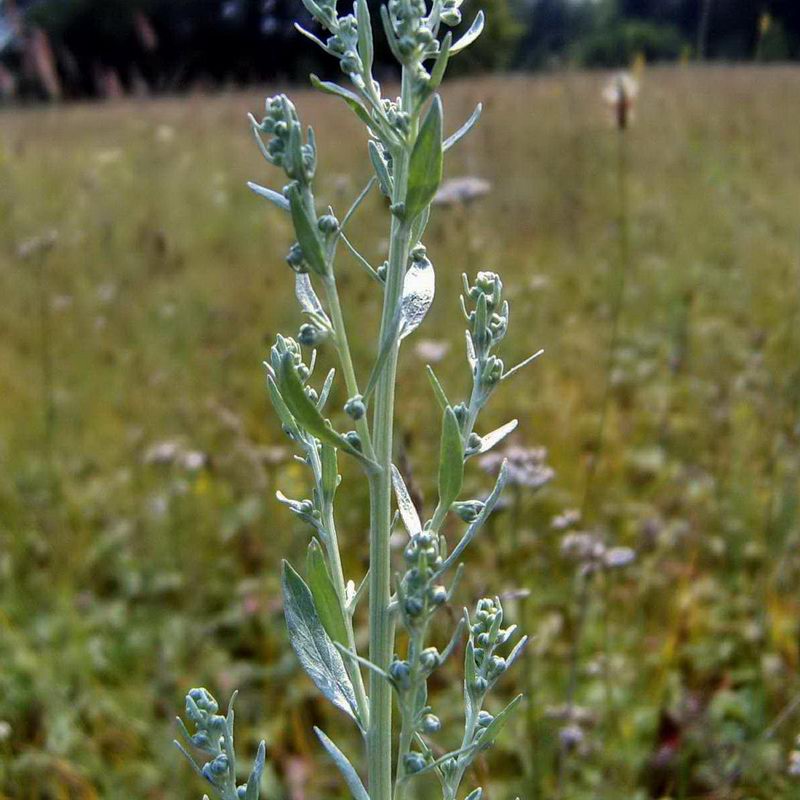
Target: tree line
103,48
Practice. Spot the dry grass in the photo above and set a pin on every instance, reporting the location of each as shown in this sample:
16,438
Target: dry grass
122,583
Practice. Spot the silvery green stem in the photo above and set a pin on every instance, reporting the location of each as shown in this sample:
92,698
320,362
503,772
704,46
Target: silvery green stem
381,626
345,357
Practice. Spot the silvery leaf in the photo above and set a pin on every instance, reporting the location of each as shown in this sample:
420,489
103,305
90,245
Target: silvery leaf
425,162
451,461
314,648
349,774
254,781
492,730
418,291
495,436
307,297
464,129
408,511
269,194
471,35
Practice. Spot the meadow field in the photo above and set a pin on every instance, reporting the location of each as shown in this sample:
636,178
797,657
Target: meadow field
140,539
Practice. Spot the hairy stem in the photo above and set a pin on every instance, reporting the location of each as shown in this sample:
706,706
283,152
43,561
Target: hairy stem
381,626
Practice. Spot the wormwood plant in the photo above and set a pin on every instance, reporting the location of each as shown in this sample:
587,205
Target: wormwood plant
406,149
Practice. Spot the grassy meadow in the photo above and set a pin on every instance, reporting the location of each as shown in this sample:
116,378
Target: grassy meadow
140,539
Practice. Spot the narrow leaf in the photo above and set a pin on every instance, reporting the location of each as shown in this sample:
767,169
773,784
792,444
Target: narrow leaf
451,461
300,29
440,65
349,97
281,409
492,730
464,129
438,391
270,194
425,164
305,227
408,512
326,389
349,774
381,170
478,523
364,23
330,472
471,35
304,411
254,781
495,436
326,600
314,648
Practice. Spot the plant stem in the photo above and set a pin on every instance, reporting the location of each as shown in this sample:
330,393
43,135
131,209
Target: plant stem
381,627
337,575
345,358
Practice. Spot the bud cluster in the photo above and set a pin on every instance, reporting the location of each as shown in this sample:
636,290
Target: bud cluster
487,315
344,44
487,635
285,148
420,596
214,737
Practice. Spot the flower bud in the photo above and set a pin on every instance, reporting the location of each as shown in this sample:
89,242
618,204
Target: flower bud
468,510
353,439
400,673
437,595
430,658
355,408
414,762
328,224
296,260
485,719
413,606
310,335
430,723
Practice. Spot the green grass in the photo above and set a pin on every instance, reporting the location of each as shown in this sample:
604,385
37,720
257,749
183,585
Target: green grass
123,583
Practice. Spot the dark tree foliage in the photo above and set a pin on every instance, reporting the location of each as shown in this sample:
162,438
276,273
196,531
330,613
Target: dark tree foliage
170,45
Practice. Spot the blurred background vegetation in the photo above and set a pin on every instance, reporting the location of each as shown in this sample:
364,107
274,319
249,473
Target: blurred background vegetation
101,48
142,284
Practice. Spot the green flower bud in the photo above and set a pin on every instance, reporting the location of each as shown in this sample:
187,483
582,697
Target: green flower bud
468,510
328,224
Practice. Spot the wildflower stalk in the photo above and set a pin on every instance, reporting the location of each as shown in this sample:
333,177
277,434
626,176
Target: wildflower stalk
406,150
